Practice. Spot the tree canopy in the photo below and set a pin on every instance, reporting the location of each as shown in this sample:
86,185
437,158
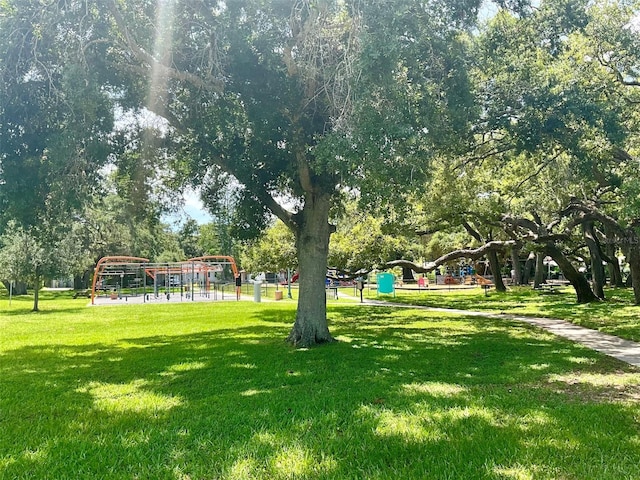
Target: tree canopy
516,134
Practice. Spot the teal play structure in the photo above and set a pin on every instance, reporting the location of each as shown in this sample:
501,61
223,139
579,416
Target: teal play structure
386,283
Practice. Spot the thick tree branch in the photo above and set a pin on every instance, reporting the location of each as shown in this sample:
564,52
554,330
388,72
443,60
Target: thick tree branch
617,73
521,223
304,174
278,210
470,253
207,82
591,212
262,195
471,231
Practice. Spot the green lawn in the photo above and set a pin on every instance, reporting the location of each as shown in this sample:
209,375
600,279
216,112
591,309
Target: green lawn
617,315
211,391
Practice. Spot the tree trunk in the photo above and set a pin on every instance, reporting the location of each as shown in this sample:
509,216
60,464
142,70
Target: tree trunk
515,261
633,257
597,269
577,280
539,275
312,242
81,282
494,263
615,274
19,288
407,275
528,266
36,291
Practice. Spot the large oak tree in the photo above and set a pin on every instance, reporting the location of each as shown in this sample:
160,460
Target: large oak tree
295,102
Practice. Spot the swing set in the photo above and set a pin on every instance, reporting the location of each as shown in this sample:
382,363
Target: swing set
198,278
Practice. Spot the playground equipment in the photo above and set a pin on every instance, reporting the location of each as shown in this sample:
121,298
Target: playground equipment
386,283
480,280
125,277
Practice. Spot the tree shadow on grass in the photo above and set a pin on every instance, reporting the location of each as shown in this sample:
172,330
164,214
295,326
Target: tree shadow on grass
21,311
401,396
616,315
23,304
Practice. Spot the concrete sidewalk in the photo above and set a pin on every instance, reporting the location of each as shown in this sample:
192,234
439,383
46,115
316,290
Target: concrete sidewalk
610,345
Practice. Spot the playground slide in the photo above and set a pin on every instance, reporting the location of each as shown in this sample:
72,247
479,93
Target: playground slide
482,281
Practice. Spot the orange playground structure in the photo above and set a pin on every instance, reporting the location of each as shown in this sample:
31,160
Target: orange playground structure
118,277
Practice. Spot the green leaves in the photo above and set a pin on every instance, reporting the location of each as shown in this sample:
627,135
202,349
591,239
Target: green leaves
272,252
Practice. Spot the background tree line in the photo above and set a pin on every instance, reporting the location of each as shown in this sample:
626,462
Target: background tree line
514,133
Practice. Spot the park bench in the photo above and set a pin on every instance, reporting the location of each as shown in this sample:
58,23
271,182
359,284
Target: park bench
551,286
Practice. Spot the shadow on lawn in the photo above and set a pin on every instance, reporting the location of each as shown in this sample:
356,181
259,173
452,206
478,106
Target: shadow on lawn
21,311
401,396
616,315
23,304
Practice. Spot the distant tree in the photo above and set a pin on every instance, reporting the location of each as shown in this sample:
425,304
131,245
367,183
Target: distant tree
189,239
364,242
24,257
209,239
272,252
552,150
55,122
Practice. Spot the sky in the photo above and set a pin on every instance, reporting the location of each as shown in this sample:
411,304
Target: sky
194,208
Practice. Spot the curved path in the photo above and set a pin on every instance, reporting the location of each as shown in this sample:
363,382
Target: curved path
610,345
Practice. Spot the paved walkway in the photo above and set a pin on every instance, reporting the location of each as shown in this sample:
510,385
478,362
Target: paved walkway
610,345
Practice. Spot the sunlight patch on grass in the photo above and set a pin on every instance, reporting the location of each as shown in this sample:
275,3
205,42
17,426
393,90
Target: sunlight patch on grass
539,366
129,344
435,389
128,397
182,367
514,472
251,392
458,414
186,366
447,340
38,455
407,426
134,439
243,468
248,366
598,379
264,438
582,360
439,323
296,462
85,353
344,339
293,461
534,420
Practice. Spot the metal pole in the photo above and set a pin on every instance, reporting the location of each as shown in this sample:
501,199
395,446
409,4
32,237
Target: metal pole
167,283
10,291
289,283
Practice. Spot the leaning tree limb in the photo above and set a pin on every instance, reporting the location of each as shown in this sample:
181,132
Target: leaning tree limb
470,253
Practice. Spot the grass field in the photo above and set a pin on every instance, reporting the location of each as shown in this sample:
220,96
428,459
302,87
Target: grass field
617,315
211,391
